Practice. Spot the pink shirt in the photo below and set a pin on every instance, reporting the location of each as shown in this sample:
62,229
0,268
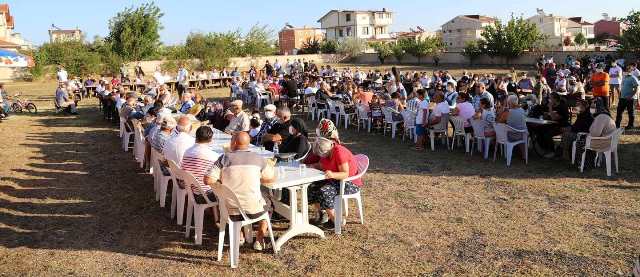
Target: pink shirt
466,111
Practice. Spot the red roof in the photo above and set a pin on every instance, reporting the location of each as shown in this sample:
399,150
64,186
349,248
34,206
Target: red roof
4,9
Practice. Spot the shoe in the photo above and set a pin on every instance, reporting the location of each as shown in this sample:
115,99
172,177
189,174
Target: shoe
321,219
327,226
257,246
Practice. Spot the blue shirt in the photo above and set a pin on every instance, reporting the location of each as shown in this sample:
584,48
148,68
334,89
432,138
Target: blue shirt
629,86
186,106
477,98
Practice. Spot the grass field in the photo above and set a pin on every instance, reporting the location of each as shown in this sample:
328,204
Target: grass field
72,203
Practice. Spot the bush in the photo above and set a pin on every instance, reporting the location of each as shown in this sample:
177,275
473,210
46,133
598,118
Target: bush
329,47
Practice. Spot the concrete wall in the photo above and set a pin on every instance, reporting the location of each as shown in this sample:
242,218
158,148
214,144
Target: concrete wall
456,58
245,62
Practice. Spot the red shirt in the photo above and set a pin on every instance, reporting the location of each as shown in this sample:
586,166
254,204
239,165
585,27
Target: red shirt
340,155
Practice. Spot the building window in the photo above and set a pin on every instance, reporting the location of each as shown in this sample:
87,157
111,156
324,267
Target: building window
348,31
365,31
340,33
348,17
381,15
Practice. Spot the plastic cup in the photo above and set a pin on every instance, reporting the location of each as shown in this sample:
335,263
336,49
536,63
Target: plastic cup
303,169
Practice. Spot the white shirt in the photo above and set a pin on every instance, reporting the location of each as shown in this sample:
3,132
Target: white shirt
636,73
441,108
62,76
175,147
310,90
615,73
158,77
422,108
182,76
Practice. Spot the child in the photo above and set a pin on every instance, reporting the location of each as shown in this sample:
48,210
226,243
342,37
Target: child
255,128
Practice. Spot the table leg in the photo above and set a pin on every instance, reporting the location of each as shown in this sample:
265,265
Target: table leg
299,220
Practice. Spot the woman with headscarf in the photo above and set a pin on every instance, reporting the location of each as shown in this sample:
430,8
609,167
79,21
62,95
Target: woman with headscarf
298,141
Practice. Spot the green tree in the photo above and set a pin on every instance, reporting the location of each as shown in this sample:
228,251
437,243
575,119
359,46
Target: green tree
630,39
425,47
383,49
134,32
258,42
400,49
472,51
580,39
311,46
511,40
351,46
329,47
212,49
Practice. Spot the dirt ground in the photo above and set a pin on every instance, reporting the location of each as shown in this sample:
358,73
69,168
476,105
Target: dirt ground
72,203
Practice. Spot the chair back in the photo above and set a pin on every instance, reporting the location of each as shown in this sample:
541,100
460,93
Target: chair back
173,170
615,140
458,125
409,118
229,202
305,154
361,110
478,127
388,114
412,105
191,183
332,106
443,125
362,161
501,132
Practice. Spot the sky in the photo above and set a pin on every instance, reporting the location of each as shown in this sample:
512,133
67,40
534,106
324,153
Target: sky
34,17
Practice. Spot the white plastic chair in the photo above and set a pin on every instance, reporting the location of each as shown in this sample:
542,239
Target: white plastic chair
342,199
195,211
502,139
161,181
363,117
614,139
441,127
178,194
312,106
458,132
409,118
333,112
388,121
342,113
138,142
479,140
231,200
125,135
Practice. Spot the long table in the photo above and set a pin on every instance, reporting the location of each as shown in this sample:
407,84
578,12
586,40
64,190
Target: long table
296,181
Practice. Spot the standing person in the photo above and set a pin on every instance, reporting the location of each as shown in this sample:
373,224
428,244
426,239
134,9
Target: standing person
183,80
124,73
628,93
62,75
421,120
600,84
138,71
615,79
268,69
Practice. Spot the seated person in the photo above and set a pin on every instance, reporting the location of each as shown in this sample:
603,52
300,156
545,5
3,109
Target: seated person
297,142
464,109
487,115
558,111
187,103
338,164
441,109
515,118
255,128
583,122
63,100
254,171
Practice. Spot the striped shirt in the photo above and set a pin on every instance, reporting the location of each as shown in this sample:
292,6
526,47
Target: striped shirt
199,160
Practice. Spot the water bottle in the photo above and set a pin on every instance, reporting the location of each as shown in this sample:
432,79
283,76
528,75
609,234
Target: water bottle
275,149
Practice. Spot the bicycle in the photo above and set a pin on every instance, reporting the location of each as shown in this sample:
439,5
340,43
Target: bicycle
19,105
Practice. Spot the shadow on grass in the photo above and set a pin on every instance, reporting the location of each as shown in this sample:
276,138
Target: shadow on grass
81,192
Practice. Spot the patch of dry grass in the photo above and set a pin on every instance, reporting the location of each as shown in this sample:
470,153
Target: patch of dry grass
73,203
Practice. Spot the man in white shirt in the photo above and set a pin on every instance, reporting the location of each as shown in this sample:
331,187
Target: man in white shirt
175,147
158,77
62,75
183,80
615,78
421,120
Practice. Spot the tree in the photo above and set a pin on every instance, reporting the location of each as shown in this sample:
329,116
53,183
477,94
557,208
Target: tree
212,49
424,47
383,49
511,40
351,46
258,42
580,40
472,51
329,47
630,39
134,32
399,49
311,46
